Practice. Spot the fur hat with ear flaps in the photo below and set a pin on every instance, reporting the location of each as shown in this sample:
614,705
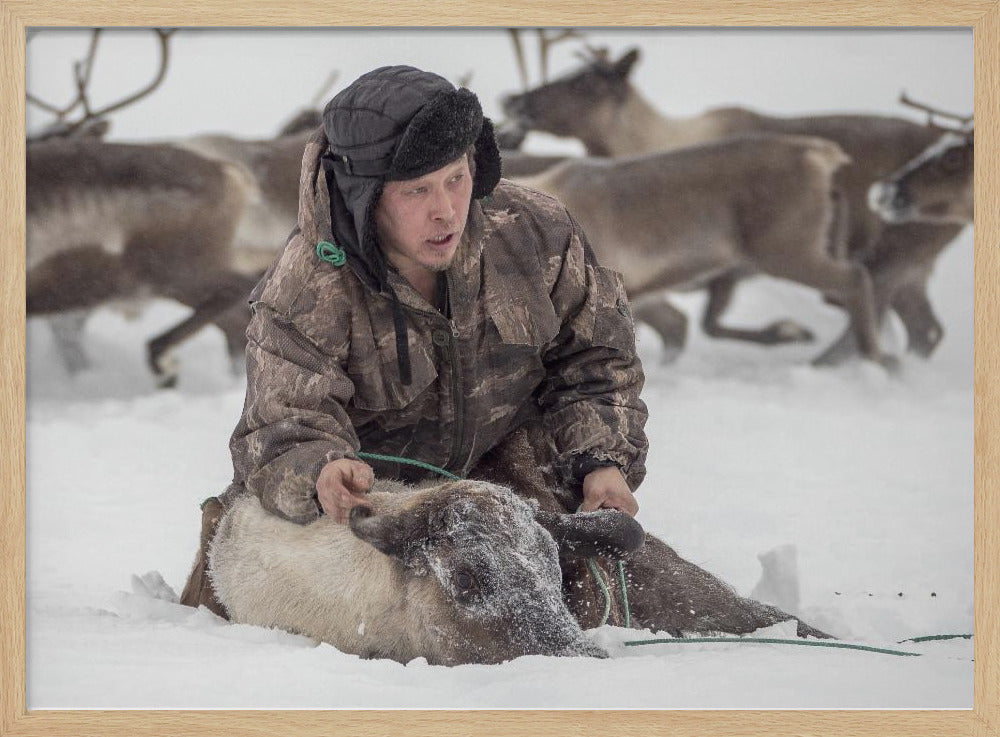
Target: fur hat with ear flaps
397,123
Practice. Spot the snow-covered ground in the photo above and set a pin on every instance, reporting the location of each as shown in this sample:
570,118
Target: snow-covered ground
868,478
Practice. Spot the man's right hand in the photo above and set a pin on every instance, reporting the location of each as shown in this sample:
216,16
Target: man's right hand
342,485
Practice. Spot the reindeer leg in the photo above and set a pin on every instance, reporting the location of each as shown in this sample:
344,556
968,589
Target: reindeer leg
923,330
900,262
67,328
667,592
720,294
68,292
668,322
224,306
851,284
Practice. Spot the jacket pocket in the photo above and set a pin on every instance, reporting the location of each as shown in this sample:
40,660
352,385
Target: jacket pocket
614,326
520,325
375,373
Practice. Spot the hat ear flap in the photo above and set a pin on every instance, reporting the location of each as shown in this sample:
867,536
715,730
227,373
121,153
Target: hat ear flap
488,163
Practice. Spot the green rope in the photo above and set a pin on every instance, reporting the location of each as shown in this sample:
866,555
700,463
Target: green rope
331,252
621,578
769,641
410,462
929,638
596,573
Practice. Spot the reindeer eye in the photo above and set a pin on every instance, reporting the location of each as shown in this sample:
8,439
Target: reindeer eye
464,581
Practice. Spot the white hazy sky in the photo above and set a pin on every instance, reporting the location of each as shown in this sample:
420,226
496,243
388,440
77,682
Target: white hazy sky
249,82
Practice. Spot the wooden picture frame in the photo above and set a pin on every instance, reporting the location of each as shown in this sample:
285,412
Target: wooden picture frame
15,15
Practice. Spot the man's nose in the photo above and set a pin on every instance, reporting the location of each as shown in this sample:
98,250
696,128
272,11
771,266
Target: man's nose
442,207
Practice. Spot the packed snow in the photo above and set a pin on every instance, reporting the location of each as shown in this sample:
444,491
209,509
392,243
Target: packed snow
844,495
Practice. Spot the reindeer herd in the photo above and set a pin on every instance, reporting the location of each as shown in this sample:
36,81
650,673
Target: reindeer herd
857,207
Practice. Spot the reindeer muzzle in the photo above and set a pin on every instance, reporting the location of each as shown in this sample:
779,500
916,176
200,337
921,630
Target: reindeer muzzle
604,532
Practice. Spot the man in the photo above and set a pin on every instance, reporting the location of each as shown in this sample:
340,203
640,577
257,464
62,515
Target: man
425,309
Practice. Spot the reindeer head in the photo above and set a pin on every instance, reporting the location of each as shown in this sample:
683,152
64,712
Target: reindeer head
936,186
493,567
579,102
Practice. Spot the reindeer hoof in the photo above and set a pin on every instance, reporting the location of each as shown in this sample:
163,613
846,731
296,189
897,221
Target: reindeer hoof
804,630
786,331
924,344
670,354
166,381
165,368
891,364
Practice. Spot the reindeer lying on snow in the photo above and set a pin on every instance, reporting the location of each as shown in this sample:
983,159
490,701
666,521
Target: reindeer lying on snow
461,572
458,573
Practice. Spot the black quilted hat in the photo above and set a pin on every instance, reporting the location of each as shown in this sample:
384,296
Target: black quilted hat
401,123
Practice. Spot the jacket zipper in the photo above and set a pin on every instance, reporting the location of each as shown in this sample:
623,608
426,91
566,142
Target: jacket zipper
459,399
456,389
456,385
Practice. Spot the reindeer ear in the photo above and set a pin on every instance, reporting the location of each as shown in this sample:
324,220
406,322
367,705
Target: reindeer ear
400,535
623,66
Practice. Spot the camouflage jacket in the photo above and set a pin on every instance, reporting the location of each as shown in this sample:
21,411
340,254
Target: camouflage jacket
537,327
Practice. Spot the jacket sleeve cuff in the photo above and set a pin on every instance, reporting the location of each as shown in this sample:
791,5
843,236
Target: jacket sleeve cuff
584,463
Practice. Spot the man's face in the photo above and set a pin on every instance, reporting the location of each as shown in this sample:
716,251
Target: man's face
420,221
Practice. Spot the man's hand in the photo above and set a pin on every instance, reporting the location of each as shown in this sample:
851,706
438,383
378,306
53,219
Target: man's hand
342,485
606,487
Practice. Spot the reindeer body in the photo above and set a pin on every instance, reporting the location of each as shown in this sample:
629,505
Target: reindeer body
271,168
680,219
676,220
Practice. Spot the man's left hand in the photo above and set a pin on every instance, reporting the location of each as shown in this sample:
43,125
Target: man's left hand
606,487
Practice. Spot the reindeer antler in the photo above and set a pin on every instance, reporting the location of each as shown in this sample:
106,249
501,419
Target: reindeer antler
62,112
515,39
932,111
546,41
82,71
323,91
594,54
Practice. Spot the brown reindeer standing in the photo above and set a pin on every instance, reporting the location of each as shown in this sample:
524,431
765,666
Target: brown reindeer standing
113,222
110,222
599,106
